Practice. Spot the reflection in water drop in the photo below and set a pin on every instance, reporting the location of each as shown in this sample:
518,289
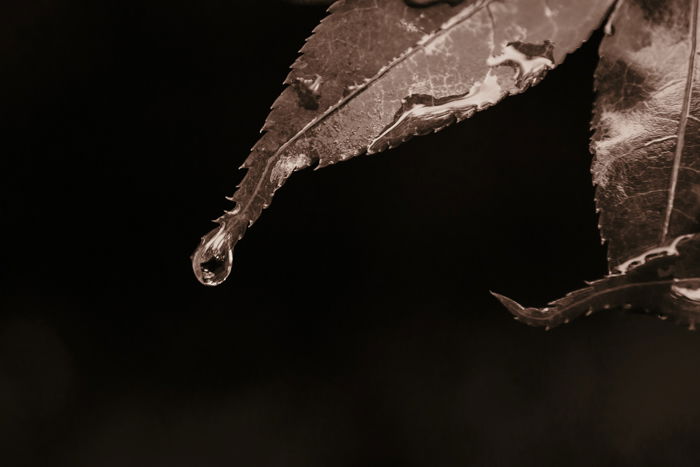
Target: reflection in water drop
213,258
686,292
685,302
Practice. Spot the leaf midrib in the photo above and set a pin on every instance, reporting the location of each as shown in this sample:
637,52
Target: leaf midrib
401,58
682,126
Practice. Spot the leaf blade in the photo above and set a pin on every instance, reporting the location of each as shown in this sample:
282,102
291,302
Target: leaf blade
646,113
667,285
646,167
431,80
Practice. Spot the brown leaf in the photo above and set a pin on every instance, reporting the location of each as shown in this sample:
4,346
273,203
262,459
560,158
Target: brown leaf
376,73
647,128
646,167
665,282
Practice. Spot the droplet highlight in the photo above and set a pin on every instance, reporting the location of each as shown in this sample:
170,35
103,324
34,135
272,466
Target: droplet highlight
213,258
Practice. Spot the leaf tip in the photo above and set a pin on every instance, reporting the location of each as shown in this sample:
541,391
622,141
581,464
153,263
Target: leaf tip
511,305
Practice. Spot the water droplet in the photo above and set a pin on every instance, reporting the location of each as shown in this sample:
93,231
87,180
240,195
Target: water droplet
213,258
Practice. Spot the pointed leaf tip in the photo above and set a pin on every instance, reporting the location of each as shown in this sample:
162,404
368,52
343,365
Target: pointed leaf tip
512,306
548,317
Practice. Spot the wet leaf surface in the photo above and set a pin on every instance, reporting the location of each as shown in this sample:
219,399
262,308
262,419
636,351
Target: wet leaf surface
647,121
646,167
374,74
665,282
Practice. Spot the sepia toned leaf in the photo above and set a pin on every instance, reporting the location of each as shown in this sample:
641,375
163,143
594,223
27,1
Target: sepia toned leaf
647,128
376,73
666,282
646,167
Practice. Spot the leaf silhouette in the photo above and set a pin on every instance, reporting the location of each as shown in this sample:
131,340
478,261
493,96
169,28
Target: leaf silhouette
376,73
646,167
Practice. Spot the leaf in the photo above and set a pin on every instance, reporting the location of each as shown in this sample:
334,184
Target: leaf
666,282
376,73
646,167
310,2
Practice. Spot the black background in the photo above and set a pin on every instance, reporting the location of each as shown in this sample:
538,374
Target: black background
356,327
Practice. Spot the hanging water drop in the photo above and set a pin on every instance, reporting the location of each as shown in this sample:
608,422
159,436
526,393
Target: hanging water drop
213,258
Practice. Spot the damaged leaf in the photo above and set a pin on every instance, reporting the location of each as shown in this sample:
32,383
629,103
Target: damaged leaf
376,73
646,167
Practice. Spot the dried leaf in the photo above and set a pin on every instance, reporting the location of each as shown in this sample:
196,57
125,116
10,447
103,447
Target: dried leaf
646,167
376,73
666,282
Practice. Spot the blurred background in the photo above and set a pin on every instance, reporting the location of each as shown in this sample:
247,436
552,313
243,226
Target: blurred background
356,327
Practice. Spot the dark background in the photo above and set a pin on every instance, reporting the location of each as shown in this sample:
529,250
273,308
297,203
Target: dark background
356,327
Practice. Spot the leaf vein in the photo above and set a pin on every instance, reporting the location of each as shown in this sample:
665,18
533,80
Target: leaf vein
685,112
